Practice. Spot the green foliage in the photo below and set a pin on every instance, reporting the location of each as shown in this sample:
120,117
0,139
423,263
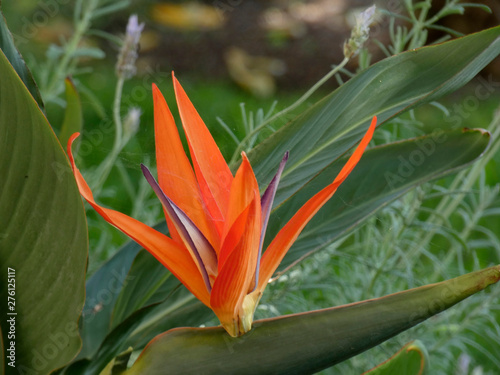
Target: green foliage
73,118
450,150
9,49
43,244
405,245
412,359
304,343
385,89
434,232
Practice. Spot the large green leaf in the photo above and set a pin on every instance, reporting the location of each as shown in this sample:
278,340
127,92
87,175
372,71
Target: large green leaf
181,308
146,275
102,290
2,361
383,174
308,342
327,130
143,324
43,234
411,359
116,291
9,49
149,301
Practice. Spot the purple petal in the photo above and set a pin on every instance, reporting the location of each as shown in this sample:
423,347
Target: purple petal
192,237
267,203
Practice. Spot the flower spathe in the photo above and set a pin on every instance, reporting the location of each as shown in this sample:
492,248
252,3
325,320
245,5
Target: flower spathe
216,221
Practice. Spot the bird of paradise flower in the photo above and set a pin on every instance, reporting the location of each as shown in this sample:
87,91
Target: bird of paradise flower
217,221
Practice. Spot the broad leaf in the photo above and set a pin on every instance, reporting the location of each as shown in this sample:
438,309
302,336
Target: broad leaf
181,307
2,359
146,275
43,231
9,49
150,301
411,359
102,290
308,342
117,290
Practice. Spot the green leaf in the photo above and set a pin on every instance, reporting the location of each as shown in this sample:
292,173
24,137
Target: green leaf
2,359
133,323
102,290
73,117
181,308
9,49
117,364
114,293
146,276
142,325
93,52
326,131
383,174
43,232
411,359
308,342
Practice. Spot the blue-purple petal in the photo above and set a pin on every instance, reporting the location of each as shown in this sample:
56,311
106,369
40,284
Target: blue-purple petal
193,238
266,202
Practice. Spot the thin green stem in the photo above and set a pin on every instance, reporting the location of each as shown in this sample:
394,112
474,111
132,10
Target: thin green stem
116,115
106,166
61,70
394,238
300,101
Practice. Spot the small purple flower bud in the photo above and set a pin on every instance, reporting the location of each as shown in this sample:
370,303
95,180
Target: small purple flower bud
125,67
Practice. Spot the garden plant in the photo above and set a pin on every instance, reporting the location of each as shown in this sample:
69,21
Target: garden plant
347,231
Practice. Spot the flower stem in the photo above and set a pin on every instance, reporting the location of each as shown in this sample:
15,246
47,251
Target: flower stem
300,101
61,70
106,166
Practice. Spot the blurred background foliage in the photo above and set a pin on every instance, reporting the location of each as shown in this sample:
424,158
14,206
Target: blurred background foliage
229,52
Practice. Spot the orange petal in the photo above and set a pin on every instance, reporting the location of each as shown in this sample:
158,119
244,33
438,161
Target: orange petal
174,257
233,282
212,172
288,234
175,174
243,189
